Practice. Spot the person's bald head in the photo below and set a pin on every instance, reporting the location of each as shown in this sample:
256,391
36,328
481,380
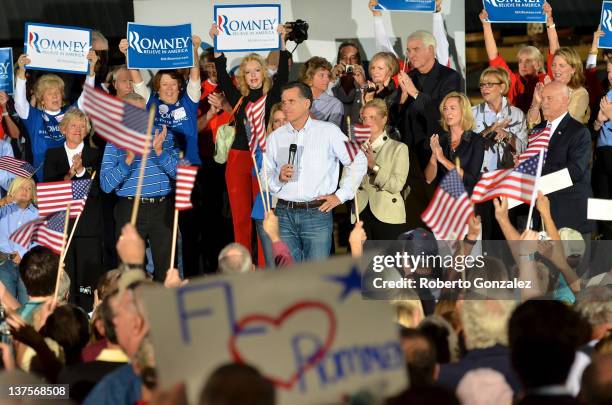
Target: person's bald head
235,258
555,100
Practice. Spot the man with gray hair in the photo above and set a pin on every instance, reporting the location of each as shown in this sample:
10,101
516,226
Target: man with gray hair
485,326
423,88
235,259
569,146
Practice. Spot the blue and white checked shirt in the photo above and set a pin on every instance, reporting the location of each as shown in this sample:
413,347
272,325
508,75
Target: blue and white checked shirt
320,149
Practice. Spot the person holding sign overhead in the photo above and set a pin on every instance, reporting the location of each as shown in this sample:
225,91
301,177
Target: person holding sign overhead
254,83
42,121
460,148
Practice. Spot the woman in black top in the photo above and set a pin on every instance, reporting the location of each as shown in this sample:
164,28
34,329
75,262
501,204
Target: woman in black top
459,141
254,83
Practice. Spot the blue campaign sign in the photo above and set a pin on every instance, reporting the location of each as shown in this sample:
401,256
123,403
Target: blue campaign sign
606,25
6,70
427,6
159,47
515,11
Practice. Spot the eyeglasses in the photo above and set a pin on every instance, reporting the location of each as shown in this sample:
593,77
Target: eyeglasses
488,85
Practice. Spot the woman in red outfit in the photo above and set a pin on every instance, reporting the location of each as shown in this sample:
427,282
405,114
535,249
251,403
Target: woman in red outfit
254,83
531,66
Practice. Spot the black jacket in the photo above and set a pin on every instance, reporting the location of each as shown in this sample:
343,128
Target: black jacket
470,153
570,147
57,166
422,115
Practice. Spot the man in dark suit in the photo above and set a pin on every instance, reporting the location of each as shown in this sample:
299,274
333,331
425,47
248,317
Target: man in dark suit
569,147
426,85
73,161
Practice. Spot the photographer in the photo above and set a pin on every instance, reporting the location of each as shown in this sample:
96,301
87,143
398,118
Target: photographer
350,79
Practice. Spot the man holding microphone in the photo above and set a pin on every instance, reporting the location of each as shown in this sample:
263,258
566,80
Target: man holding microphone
303,159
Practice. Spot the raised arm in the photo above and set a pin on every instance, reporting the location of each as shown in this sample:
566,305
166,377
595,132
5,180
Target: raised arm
225,82
489,38
551,30
21,100
439,32
383,43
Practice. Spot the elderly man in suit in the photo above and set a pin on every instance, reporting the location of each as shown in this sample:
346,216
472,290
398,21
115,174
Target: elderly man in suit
569,147
379,199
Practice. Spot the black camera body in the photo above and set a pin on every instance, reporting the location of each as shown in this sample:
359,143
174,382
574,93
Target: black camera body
299,31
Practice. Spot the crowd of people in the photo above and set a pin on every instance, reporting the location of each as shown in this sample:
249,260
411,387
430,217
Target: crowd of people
273,203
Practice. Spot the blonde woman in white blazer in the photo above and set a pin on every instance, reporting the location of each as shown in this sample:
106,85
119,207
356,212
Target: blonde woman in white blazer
379,197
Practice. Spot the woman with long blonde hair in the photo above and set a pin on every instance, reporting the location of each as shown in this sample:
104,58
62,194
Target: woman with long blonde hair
255,86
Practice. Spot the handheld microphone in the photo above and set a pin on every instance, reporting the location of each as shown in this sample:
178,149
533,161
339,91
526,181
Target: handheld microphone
292,152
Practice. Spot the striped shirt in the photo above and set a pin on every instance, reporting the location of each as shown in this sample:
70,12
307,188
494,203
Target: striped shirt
160,171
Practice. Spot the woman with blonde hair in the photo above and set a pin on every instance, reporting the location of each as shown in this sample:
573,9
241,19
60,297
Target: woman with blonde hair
379,198
254,86
459,142
76,160
566,68
42,121
17,210
383,67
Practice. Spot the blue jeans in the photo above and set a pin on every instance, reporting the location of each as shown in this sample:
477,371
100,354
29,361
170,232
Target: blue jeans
9,275
266,244
307,232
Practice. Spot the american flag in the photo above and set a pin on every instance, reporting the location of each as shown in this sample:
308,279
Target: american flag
16,166
450,208
517,183
358,134
122,124
185,177
255,113
48,232
55,196
536,142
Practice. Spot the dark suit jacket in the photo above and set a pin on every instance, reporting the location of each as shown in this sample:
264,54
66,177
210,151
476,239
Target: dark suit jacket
56,167
422,115
570,146
470,153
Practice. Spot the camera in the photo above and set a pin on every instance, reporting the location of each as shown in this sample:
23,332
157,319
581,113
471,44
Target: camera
298,31
369,88
349,68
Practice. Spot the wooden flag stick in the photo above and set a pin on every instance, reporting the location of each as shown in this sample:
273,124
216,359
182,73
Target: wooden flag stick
405,63
265,174
348,127
350,135
457,163
174,232
60,265
143,164
261,192
76,222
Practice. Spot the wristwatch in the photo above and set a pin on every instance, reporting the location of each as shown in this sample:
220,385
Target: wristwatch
131,266
375,169
530,257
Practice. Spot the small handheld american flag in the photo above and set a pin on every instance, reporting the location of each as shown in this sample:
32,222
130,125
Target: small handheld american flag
358,134
185,177
120,123
48,232
517,183
16,166
55,196
536,142
450,208
255,113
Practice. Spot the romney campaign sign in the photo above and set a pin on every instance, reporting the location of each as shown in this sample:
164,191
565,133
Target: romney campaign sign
427,6
247,28
515,11
606,25
159,47
57,48
306,328
6,70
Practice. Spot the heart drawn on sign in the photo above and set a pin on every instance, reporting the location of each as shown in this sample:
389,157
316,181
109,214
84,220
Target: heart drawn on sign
256,320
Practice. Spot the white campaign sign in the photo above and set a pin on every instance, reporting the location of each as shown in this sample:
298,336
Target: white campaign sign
599,209
306,328
57,48
548,184
244,28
